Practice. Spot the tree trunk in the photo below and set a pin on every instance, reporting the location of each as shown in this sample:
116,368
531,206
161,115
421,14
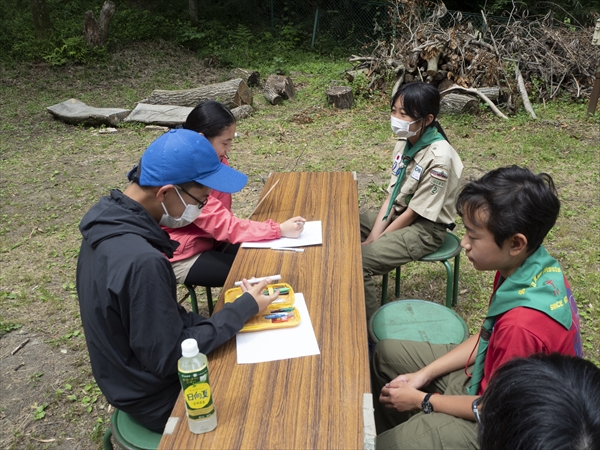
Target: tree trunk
96,33
193,9
232,93
251,77
459,104
282,85
340,96
41,19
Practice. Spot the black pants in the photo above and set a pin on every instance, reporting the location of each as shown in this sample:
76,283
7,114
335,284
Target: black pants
212,267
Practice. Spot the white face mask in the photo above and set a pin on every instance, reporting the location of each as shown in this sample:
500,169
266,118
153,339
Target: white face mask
190,214
401,128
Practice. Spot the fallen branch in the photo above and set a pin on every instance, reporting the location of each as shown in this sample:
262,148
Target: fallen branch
21,345
481,95
523,91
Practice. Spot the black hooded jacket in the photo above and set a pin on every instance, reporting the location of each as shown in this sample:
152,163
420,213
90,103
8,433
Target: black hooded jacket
133,323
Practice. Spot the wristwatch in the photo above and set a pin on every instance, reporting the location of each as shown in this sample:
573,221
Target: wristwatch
426,406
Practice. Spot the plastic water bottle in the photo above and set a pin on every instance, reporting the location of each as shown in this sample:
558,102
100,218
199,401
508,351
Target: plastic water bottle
193,375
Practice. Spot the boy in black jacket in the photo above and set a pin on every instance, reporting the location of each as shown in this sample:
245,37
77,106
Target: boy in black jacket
133,323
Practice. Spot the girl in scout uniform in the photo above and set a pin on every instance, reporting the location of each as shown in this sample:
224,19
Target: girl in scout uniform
425,178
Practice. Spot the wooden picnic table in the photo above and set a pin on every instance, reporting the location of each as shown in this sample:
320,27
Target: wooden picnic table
312,402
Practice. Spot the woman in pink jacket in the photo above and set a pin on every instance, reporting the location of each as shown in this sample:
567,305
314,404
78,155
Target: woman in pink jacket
207,246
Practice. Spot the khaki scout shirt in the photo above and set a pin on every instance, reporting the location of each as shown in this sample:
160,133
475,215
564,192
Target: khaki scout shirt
433,180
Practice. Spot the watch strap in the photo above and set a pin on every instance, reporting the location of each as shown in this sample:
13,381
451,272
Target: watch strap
426,406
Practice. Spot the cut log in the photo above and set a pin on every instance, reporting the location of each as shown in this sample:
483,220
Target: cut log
242,112
165,115
282,85
459,104
273,97
96,33
352,74
250,77
432,64
340,96
440,76
232,93
76,112
445,84
477,92
492,92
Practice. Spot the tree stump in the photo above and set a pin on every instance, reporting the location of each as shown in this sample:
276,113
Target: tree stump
76,112
232,93
459,104
340,96
282,85
251,77
273,97
164,115
242,112
96,33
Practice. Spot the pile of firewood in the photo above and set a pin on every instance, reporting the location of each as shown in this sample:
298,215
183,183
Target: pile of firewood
524,57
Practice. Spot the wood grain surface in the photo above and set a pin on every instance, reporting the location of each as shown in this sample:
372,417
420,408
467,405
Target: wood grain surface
312,402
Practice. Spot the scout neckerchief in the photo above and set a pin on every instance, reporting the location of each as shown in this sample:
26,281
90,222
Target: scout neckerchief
537,284
430,136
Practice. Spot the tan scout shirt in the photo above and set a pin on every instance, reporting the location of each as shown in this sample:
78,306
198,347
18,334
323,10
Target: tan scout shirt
433,180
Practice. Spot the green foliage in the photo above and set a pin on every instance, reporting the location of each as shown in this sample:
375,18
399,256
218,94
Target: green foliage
39,413
91,393
36,376
7,327
73,49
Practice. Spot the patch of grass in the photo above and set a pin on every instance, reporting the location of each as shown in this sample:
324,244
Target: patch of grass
7,327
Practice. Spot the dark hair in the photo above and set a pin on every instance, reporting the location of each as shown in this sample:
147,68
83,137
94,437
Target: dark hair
516,201
542,402
209,118
420,99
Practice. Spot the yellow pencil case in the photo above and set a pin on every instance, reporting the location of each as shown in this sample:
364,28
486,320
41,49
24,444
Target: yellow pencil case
280,314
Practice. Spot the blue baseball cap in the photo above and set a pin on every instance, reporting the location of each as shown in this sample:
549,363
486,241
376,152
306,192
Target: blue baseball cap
180,156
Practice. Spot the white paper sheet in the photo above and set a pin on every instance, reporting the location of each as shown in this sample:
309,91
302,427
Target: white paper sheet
285,343
311,235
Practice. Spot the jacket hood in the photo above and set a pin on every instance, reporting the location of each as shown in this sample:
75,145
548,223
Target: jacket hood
116,215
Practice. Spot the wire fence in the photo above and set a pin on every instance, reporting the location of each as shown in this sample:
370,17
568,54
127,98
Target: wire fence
350,25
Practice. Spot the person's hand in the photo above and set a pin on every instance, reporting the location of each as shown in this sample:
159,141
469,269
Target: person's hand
401,396
292,228
256,291
416,380
369,240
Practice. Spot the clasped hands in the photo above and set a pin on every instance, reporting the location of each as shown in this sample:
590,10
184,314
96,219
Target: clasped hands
402,393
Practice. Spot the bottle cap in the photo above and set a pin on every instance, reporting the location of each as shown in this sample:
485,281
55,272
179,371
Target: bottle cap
189,348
